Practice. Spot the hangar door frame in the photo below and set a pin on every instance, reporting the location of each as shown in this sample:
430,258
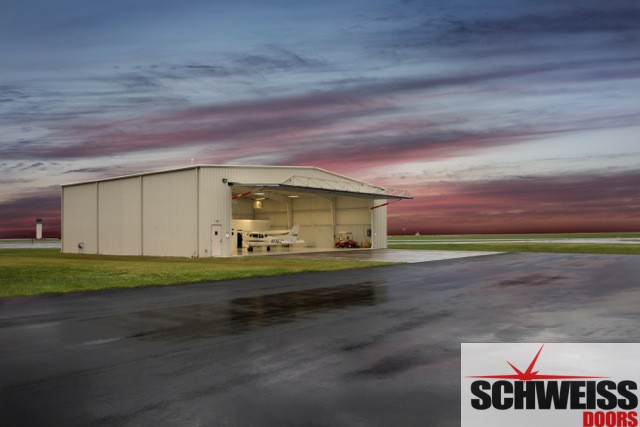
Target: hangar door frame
341,212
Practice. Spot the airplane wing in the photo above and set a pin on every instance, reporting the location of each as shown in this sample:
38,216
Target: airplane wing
276,232
271,232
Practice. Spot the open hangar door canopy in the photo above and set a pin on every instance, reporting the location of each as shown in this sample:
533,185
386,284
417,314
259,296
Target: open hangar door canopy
324,214
194,211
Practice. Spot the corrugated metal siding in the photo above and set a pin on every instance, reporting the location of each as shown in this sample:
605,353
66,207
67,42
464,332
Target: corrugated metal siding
379,229
315,218
353,215
119,213
246,225
169,214
242,209
80,218
320,236
274,211
215,208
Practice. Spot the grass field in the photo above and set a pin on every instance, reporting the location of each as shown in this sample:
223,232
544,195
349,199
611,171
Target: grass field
45,271
520,243
465,237
586,248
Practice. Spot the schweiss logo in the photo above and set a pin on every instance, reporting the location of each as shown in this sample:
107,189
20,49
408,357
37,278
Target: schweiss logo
533,397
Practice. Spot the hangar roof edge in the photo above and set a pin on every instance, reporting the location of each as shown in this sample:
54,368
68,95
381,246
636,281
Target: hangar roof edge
183,168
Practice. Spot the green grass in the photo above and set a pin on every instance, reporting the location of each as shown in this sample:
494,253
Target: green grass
586,248
46,271
478,242
465,237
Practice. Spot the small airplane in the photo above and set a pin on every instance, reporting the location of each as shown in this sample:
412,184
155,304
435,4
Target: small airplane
255,239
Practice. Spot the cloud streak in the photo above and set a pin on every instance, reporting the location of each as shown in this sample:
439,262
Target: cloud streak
568,203
572,203
292,120
580,20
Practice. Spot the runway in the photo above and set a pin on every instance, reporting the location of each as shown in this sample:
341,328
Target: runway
375,347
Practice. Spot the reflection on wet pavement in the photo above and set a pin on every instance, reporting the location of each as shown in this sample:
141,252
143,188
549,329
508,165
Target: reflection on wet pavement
533,280
243,314
276,308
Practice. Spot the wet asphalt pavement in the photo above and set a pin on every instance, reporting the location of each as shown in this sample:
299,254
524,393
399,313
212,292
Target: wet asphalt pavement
378,346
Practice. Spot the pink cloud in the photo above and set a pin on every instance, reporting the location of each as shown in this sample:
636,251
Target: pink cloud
550,204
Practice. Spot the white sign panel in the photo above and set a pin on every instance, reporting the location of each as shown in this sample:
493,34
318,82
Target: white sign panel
536,384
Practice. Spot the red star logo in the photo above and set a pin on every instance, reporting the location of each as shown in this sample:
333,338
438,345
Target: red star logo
529,374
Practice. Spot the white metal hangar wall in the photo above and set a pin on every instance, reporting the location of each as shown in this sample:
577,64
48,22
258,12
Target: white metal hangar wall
197,211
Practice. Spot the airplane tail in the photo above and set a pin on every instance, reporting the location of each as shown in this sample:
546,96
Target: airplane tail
293,234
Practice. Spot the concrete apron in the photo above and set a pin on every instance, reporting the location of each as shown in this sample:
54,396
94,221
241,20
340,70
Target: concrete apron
388,255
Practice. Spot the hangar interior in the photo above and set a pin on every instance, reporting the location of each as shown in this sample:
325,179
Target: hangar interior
207,211
322,217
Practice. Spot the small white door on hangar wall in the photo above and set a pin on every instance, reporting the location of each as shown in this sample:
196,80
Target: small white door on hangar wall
216,239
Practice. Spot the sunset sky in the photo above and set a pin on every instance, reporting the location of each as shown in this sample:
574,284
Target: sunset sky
498,115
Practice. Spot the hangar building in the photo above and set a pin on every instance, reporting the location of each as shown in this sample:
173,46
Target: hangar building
203,210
